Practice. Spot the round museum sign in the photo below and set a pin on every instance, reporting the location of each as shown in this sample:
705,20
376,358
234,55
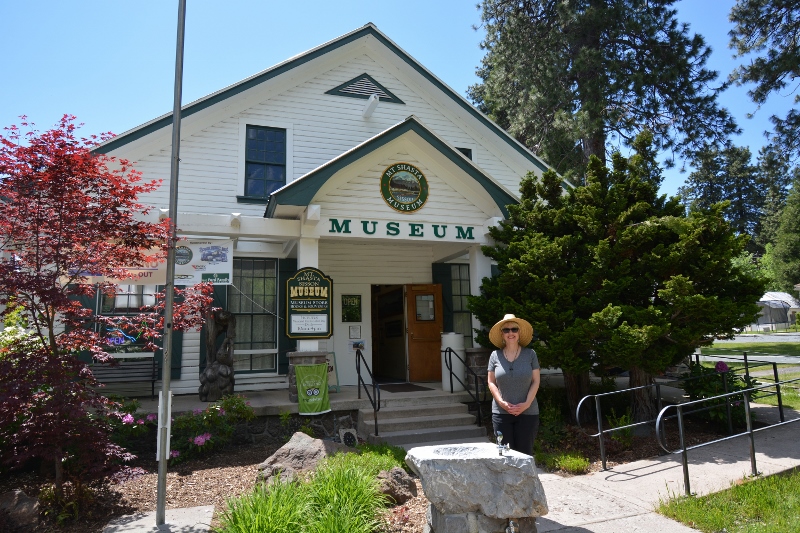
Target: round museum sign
404,187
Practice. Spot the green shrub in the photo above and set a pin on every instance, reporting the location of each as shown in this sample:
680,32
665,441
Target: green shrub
281,507
709,382
341,497
551,424
623,436
570,462
205,430
397,454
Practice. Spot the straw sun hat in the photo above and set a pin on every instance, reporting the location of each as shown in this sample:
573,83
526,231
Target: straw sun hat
525,331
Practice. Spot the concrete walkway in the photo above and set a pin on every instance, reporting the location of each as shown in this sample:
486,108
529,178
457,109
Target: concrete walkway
624,498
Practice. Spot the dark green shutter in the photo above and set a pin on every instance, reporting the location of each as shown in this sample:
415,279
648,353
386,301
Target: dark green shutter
286,269
442,274
220,300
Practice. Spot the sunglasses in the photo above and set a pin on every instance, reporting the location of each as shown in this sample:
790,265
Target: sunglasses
510,330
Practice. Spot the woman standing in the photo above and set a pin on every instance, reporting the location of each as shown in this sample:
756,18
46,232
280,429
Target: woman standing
514,381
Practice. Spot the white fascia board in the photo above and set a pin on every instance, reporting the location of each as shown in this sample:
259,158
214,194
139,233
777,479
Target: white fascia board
252,227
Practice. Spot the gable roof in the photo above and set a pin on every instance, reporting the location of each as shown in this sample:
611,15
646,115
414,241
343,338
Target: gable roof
369,30
301,191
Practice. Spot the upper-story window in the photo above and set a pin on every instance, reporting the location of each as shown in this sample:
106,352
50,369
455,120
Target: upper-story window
265,161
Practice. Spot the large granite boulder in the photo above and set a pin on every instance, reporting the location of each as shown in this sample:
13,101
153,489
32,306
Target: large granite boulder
21,511
459,479
300,454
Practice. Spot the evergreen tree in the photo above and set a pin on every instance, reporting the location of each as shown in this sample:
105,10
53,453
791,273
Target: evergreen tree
786,255
755,193
571,78
612,275
771,29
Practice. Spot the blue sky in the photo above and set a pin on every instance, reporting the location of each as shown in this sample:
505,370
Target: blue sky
111,63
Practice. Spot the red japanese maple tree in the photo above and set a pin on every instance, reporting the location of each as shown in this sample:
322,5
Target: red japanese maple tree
66,212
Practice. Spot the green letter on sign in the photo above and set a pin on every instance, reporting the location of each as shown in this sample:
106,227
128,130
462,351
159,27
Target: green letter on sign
344,227
392,228
461,234
416,230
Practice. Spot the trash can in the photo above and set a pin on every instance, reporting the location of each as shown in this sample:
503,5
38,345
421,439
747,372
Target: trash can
456,342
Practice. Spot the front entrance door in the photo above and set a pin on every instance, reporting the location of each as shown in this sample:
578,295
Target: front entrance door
424,326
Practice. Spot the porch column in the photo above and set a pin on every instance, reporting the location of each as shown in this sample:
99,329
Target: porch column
480,267
307,256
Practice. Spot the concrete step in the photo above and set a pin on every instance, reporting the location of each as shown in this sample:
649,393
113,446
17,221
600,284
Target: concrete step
367,425
422,399
467,440
424,435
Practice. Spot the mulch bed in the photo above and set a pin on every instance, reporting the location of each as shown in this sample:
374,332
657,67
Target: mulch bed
211,480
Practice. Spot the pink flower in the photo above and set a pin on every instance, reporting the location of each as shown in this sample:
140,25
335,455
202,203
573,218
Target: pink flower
200,440
127,419
140,421
721,367
221,411
174,453
197,412
152,417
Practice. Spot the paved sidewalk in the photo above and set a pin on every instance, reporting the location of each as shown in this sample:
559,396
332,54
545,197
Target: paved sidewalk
624,498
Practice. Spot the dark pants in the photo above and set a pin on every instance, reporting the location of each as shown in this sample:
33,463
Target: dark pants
518,432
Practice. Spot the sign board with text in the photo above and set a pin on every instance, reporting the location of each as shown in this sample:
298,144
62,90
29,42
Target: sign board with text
308,297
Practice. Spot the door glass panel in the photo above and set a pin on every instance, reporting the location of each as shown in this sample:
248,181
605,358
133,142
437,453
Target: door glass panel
424,307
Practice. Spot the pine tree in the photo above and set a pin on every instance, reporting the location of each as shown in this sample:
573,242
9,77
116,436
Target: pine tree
572,79
771,29
786,255
610,274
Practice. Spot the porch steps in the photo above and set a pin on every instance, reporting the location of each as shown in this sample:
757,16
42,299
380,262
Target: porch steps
421,425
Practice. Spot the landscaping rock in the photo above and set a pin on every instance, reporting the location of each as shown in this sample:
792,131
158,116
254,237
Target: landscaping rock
473,478
22,510
300,454
397,485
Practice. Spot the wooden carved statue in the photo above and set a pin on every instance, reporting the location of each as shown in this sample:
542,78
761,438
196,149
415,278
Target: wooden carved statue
217,379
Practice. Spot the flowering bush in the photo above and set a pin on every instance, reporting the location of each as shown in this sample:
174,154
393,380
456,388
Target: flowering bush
204,430
705,382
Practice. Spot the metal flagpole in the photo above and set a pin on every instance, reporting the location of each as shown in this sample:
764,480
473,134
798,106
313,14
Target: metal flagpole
164,410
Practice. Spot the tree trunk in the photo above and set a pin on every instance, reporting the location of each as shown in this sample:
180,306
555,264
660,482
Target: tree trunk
577,386
642,400
59,474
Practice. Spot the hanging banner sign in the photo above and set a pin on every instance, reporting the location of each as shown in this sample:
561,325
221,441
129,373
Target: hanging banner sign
203,260
196,261
308,305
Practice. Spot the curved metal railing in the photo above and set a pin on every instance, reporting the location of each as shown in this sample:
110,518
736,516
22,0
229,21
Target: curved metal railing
660,433
448,361
375,397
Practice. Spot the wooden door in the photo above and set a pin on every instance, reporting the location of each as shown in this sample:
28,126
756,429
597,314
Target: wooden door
424,326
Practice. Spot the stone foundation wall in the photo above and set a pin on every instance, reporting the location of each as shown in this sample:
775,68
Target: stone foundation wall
478,361
270,429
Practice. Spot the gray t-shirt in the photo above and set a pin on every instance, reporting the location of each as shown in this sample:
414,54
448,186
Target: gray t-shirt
514,379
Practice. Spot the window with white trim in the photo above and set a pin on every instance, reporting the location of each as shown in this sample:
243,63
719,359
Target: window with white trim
265,161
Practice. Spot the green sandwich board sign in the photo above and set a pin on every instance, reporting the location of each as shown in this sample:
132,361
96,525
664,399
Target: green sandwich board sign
309,294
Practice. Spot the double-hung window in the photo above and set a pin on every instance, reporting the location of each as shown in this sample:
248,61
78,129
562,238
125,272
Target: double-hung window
265,161
253,298
127,301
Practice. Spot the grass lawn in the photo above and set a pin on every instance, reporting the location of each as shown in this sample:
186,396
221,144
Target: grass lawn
763,505
754,348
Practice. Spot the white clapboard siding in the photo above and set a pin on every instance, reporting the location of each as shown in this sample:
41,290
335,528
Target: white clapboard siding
376,264
323,127
356,198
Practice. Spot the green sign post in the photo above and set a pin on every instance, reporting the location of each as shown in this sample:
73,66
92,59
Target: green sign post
309,294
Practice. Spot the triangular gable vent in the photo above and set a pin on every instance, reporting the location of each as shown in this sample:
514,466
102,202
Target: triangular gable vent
364,86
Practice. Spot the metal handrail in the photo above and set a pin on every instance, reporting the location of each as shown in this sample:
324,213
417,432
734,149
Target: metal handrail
748,416
448,361
602,432
376,388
